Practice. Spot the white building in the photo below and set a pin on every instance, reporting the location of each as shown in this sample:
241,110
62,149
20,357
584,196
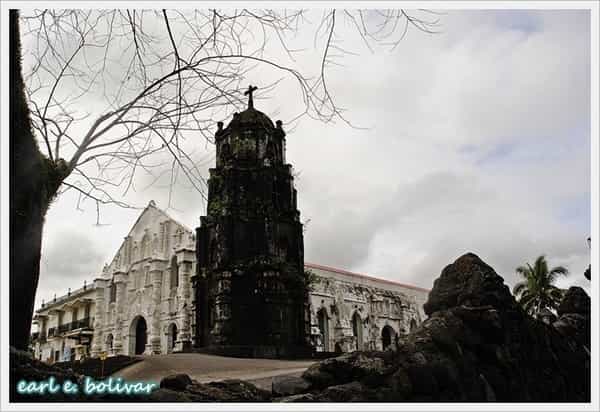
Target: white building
143,302
65,326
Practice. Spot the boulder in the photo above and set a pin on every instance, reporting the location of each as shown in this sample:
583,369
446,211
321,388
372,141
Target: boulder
177,382
348,392
574,320
575,301
468,281
240,391
289,385
369,367
231,390
574,326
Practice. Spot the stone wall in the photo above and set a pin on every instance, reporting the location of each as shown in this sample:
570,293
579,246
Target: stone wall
348,314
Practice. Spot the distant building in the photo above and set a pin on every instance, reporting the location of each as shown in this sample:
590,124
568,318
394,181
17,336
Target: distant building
65,326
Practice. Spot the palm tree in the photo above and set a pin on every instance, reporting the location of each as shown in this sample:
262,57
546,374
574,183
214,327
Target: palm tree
537,292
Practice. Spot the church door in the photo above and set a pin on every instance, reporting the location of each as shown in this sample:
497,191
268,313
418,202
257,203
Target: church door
140,336
172,338
323,328
386,336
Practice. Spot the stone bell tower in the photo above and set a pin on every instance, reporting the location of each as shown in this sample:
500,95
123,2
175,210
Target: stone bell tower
251,288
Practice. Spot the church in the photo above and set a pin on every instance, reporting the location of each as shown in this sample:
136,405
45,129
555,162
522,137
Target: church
237,285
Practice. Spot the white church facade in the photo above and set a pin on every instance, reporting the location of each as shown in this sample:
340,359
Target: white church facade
143,302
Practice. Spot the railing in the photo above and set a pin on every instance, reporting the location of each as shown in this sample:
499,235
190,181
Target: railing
77,324
81,323
37,336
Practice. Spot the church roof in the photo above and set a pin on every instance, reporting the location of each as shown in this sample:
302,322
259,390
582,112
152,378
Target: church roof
152,204
251,117
361,276
151,208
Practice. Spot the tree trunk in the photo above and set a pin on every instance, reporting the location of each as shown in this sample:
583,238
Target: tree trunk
31,190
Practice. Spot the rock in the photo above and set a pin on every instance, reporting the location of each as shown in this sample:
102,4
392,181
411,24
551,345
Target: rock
575,317
574,326
400,384
241,391
230,390
289,385
370,367
470,282
348,392
303,397
208,393
478,344
489,392
177,382
575,301
318,377
170,395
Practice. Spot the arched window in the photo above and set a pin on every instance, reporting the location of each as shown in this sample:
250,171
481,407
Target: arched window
322,319
145,246
171,337
135,276
357,330
225,152
270,153
174,281
148,280
112,292
284,246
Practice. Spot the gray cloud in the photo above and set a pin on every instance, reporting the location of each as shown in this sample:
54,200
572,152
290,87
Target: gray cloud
477,140
67,260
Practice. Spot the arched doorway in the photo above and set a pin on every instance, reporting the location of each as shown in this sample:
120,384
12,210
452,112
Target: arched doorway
413,325
387,334
138,336
323,328
109,343
357,330
172,337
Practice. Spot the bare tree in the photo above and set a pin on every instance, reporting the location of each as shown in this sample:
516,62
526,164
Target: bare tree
107,93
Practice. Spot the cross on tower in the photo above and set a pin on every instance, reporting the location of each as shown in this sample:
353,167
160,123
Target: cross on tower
248,93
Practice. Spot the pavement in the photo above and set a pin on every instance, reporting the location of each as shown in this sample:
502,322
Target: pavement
206,368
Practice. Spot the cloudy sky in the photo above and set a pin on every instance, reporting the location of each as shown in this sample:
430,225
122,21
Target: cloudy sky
475,139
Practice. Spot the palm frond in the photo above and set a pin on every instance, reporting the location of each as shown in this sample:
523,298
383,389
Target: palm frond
519,288
524,271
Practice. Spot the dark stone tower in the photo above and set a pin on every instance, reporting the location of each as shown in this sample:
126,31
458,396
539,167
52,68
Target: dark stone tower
251,288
